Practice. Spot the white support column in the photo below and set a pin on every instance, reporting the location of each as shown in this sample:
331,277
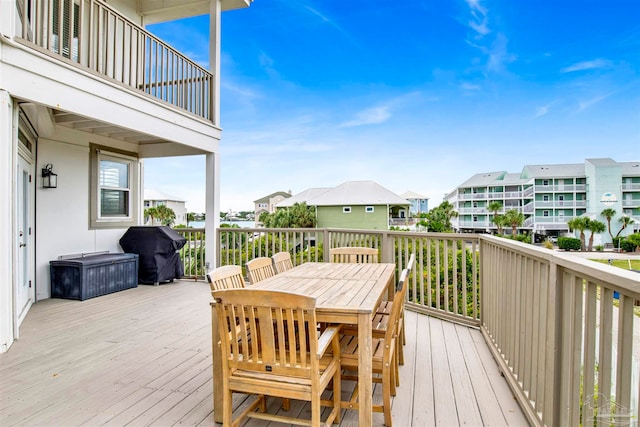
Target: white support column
215,11
8,10
7,172
212,208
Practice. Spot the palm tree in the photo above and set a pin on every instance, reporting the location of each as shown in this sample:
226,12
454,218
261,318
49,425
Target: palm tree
495,207
448,210
190,218
499,221
626,221
608,214
151,213
515,219
580,224
165,214
594,226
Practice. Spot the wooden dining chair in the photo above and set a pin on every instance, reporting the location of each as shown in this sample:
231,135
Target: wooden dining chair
354,254
227,277
275,353
259,269
384,309
384,350
282,262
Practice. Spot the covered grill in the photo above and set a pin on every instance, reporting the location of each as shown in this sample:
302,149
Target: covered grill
158,250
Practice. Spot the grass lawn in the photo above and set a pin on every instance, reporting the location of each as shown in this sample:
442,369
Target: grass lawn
627,264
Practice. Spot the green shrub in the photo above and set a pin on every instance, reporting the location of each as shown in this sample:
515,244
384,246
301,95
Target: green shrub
569,243
627,246
524,238
599,248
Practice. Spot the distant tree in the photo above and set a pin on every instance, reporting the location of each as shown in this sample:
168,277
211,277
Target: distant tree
500,222
634,239
190,218
438,219
594,226
626,221
579,223
151,213
165,215
297,216
514,219
495,207
609,214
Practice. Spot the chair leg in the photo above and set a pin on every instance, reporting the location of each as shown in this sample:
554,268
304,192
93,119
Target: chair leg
227,407
387,384
315,410
337,391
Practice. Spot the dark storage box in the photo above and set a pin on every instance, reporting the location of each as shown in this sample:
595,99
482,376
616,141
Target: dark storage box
93,275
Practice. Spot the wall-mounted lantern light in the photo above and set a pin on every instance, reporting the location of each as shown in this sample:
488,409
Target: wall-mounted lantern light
49,179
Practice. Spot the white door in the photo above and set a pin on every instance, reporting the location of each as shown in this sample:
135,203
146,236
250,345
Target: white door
24,293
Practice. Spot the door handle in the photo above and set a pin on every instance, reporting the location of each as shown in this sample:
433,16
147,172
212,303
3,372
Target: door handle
22,245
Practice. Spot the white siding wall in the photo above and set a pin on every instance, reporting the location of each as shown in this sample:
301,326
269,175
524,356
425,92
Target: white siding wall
62,220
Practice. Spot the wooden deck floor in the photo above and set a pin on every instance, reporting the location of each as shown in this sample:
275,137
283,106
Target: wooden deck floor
143,357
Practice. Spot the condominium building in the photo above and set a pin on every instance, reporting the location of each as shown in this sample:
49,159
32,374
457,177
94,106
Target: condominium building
550,195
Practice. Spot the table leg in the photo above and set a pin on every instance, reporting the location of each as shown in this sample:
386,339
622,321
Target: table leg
217,367
365,379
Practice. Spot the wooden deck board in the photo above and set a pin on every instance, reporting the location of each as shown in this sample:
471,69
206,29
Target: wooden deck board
143,357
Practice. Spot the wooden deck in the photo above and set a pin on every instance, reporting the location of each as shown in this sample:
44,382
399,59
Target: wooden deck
143,357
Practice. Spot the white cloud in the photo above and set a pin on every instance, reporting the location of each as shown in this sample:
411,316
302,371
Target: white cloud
370,116
583,105
478,21
469,87
541,111
588,65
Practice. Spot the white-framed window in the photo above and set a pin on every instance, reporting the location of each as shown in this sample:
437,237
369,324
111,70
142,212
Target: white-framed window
545,182
545,213
114,191
545,197
346,209
368,209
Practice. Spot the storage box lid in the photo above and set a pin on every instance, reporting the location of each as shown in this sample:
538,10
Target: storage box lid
95,259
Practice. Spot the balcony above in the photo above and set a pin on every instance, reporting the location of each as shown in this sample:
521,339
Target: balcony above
103,73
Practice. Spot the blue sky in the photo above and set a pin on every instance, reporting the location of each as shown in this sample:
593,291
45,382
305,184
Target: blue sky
415,95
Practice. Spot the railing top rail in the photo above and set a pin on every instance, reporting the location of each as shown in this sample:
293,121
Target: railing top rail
616,277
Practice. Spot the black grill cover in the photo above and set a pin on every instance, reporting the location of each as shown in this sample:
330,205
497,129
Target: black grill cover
157,248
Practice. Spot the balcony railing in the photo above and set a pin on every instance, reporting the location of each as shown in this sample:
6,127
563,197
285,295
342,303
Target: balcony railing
561,328
93,35
630,186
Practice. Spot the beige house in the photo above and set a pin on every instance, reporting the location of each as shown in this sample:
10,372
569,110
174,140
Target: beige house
268,203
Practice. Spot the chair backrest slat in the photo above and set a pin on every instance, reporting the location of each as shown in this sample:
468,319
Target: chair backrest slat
259,269
227,277
267,331
282,262
354,254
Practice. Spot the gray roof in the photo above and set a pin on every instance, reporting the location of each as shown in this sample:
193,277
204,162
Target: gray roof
630,168
150,194
304,196
482,179
358,193
412,195
553,171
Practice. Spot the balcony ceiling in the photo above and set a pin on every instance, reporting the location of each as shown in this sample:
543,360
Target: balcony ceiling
167,10
108,130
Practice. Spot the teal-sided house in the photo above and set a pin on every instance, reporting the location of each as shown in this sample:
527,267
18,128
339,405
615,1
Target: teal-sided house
353,204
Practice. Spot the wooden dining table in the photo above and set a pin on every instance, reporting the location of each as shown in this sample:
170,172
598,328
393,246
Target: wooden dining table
345,294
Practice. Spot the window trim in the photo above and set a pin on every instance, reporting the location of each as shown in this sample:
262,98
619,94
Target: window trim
346,209
369,209
98,153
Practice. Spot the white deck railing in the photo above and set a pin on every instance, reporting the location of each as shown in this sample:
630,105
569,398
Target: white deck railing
563,329
95,36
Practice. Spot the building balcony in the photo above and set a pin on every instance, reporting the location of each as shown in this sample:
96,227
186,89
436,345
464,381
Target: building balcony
509,336
561,188
96,37
631,186
630,203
